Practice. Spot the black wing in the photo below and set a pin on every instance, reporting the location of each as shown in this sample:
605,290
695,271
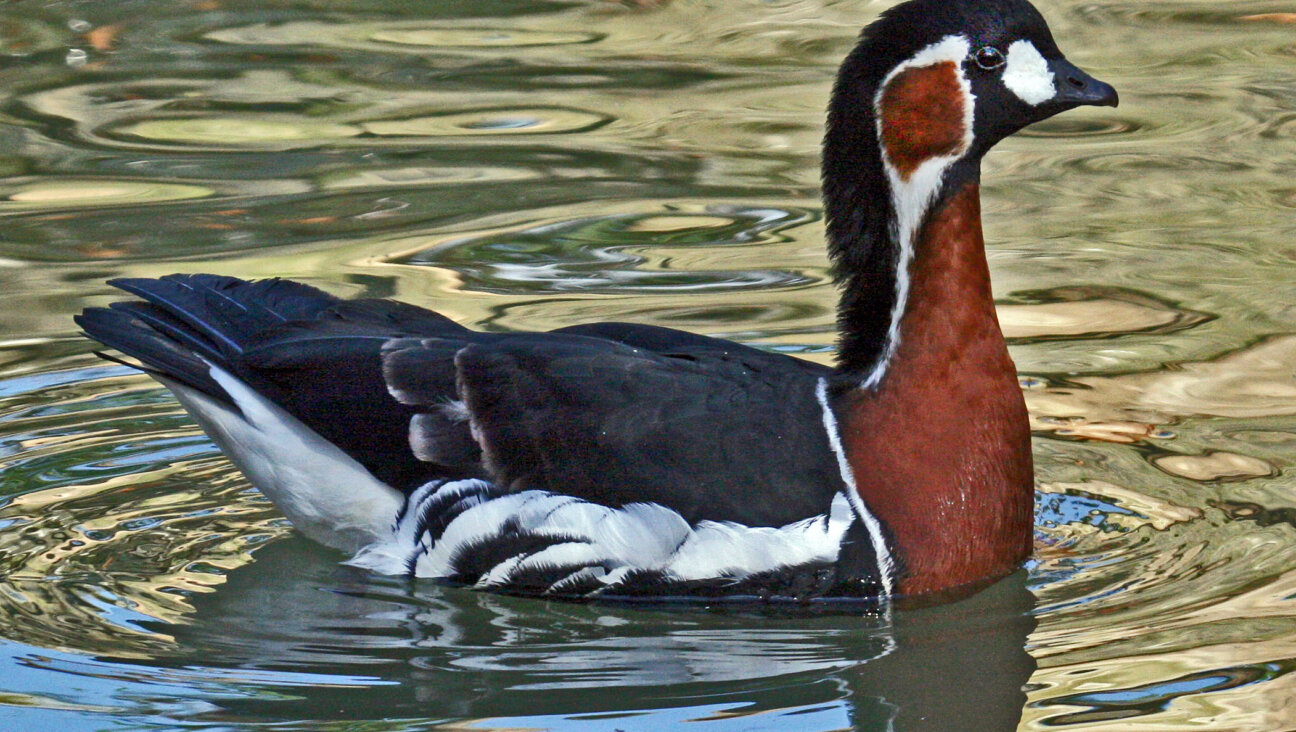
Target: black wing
708,428
611,412
315,355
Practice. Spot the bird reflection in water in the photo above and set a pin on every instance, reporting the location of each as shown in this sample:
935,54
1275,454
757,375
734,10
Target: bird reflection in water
314,635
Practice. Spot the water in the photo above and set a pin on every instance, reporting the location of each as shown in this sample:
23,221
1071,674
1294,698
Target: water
539,164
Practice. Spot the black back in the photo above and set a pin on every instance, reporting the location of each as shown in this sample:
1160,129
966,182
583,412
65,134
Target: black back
708,428
611,412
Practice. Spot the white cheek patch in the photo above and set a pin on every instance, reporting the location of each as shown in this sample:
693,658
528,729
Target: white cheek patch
1027,74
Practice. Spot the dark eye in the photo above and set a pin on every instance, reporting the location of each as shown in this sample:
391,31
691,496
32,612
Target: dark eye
988,58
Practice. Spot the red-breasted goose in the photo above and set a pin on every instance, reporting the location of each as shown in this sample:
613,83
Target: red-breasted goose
613,459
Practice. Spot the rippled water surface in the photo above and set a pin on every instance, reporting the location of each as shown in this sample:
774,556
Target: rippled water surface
538,164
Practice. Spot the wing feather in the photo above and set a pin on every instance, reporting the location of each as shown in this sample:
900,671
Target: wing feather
617,424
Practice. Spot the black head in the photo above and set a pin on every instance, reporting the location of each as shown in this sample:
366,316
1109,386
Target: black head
1017,73
1005,54
931,86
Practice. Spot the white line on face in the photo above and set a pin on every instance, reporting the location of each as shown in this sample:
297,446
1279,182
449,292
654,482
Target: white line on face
885,562
912,196
1027,74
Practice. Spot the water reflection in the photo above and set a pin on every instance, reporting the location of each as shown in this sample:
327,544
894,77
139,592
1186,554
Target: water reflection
145,562
409,648
408,36
666,250
83,193
151,563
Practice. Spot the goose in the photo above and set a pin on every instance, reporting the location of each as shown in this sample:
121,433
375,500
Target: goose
620,460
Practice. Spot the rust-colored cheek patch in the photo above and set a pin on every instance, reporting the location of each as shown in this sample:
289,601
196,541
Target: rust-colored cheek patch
921,113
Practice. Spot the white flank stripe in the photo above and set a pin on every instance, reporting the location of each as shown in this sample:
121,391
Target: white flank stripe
1027,74
911,198
733,549
606,543
393,553
886,564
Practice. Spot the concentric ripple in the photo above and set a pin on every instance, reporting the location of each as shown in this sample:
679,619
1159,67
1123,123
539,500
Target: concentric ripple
404,37
268,110
114,525
94,193
672,251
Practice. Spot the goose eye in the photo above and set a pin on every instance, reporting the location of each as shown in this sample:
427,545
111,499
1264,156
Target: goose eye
988,58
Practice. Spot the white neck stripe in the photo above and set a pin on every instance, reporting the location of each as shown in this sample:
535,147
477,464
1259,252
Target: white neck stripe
885,562
911,196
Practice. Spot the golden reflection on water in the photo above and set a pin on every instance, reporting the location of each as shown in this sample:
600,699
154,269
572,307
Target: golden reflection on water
73,194
1256,381
126,541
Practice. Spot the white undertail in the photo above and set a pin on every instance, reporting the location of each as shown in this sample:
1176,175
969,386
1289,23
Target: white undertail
326,494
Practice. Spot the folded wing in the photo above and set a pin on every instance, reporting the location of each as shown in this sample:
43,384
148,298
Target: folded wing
609,422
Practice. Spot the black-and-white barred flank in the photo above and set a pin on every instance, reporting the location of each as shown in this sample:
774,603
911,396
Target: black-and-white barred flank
596,461
538,542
